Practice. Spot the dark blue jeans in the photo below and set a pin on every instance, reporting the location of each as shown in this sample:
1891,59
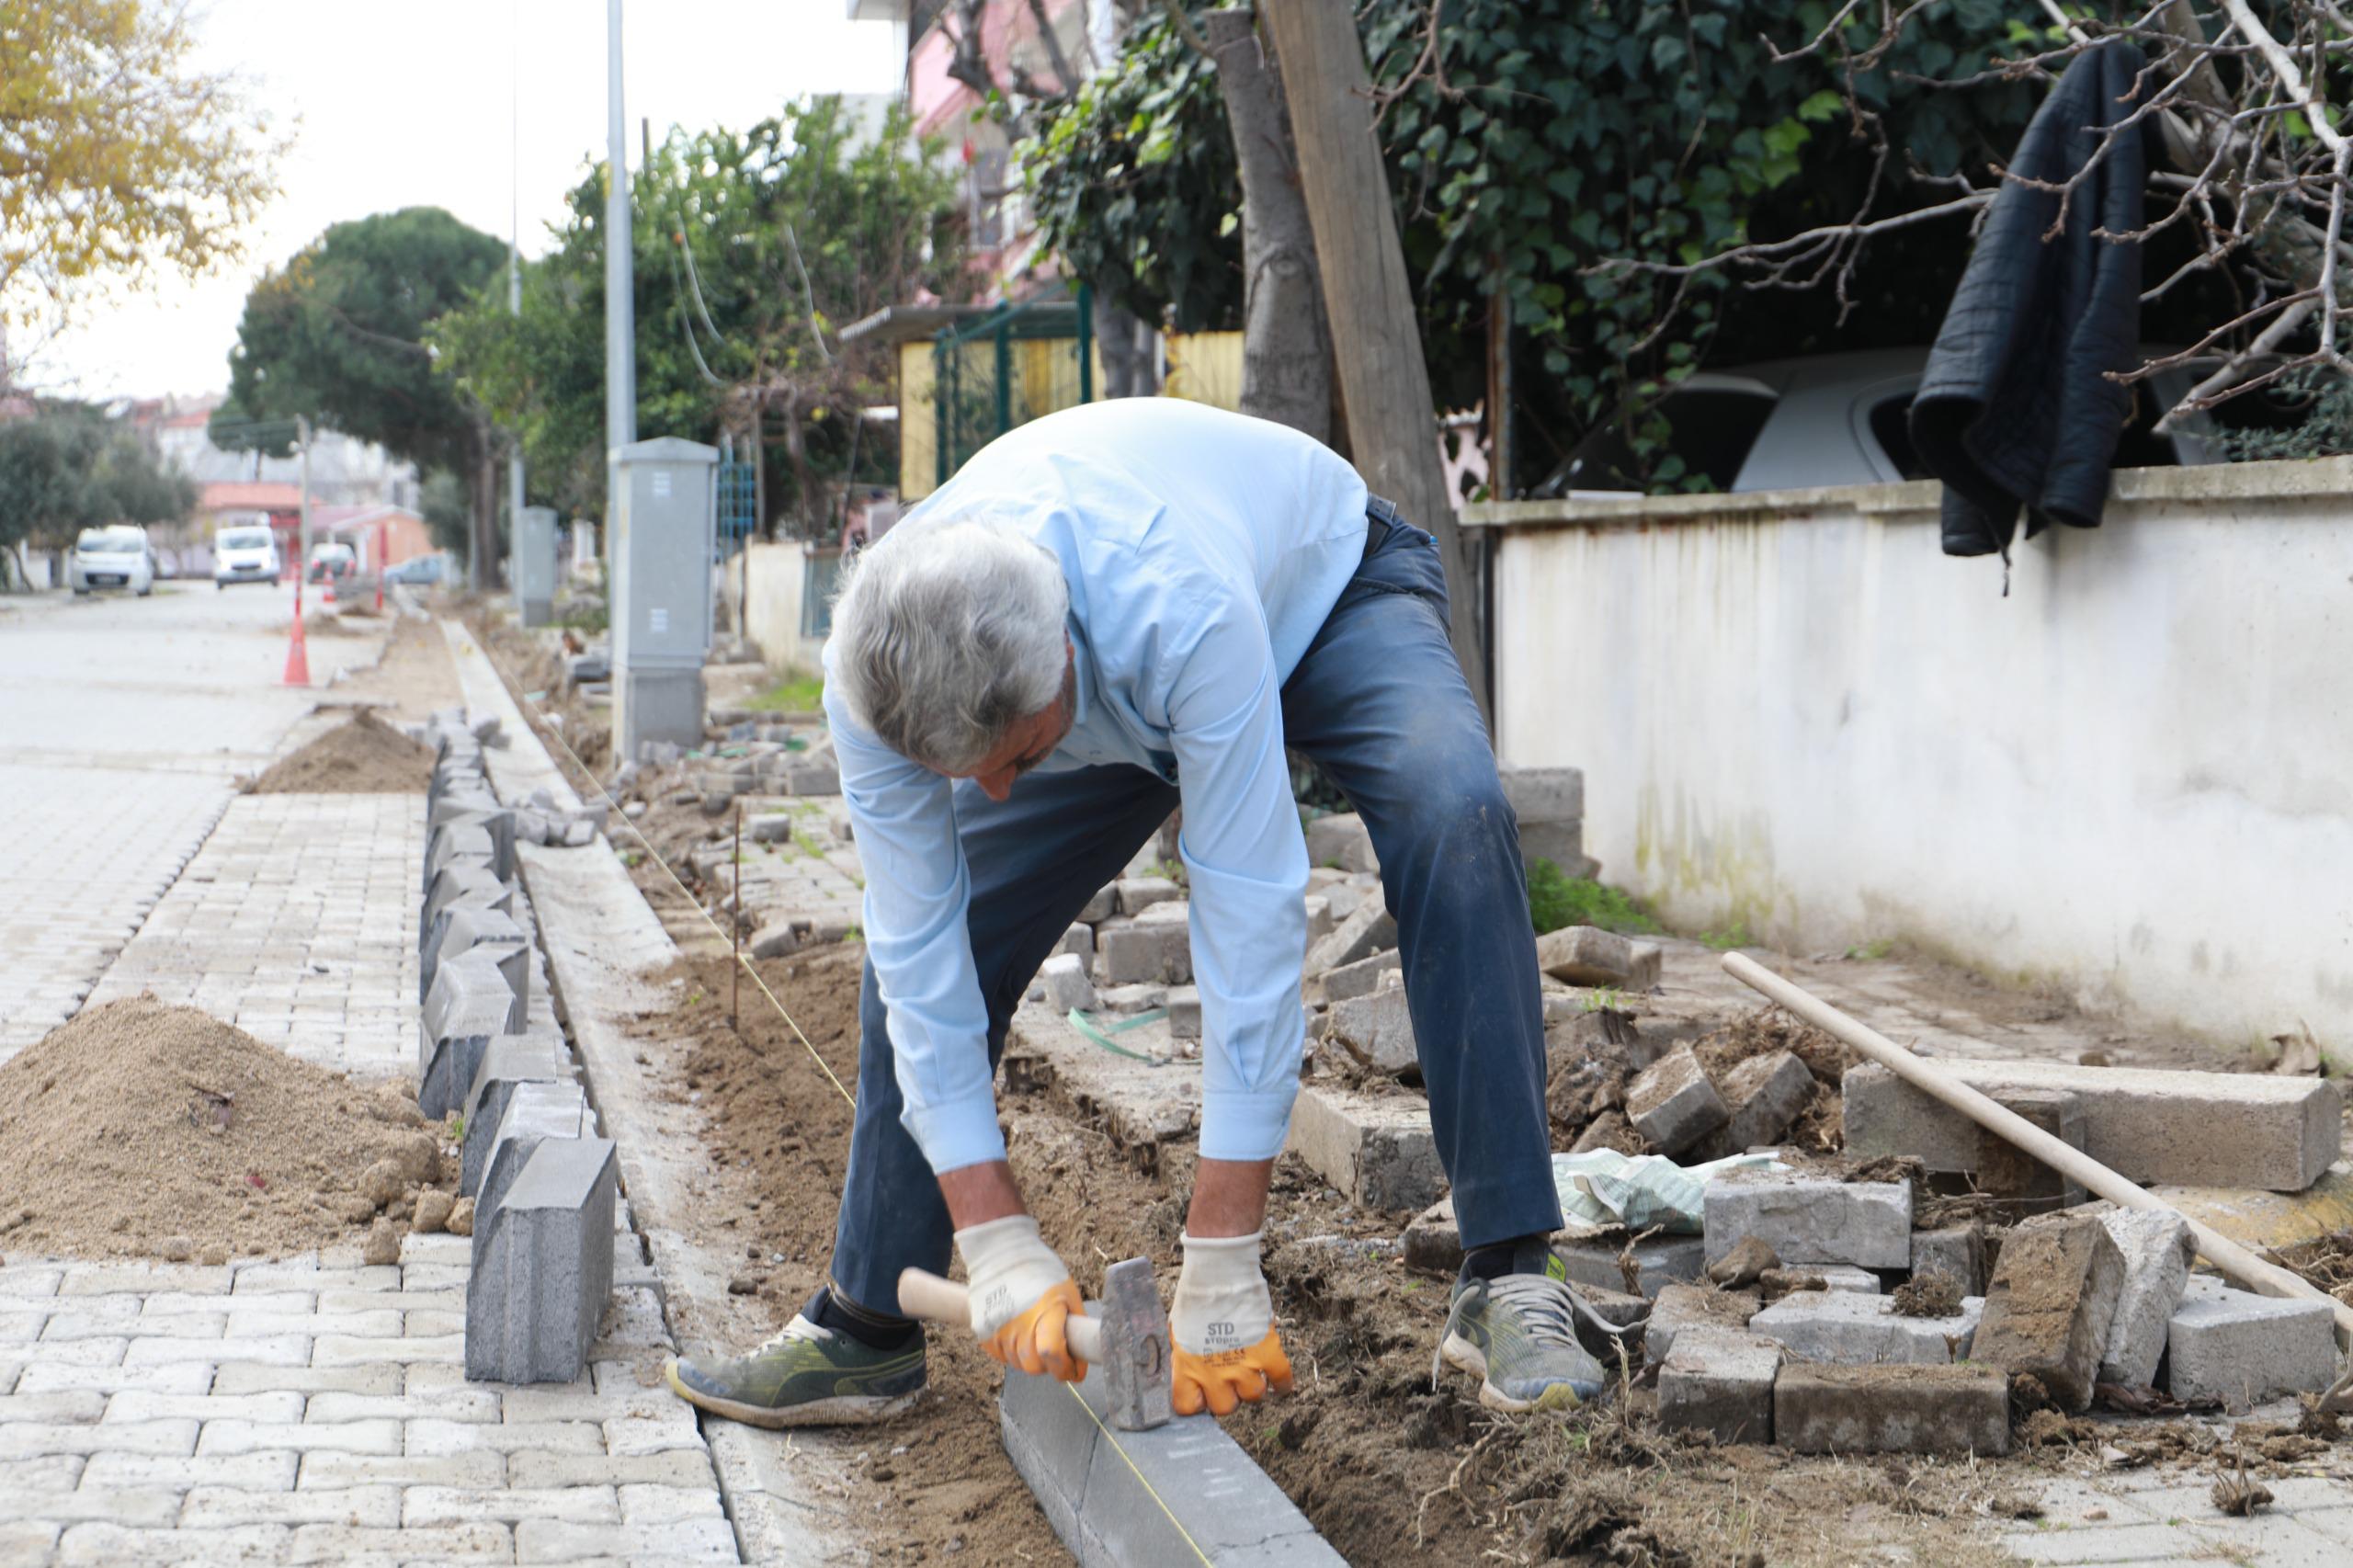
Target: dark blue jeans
1380,702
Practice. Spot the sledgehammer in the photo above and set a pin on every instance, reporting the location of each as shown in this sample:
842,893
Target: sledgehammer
1128,1338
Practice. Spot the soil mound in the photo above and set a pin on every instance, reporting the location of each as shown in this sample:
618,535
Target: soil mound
365,756
139,1129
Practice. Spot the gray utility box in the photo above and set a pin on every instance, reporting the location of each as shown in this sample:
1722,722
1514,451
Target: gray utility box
665,526
534,564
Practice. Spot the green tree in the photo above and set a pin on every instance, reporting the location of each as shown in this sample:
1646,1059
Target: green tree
119,159
68,467
752,251
339,335
1532,142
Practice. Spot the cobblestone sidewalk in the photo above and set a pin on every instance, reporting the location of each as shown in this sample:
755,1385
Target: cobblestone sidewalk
2141,1518
316,1410
297,923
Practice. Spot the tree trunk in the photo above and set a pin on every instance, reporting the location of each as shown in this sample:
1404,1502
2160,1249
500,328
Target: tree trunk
481,556
1384,381
1124,341
1286,342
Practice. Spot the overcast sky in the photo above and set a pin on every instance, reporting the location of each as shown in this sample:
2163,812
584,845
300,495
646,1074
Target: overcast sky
402,105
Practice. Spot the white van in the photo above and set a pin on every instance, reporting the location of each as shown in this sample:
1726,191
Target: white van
245,553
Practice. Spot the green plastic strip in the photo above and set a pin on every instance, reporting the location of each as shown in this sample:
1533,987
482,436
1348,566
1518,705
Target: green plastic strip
1101,1034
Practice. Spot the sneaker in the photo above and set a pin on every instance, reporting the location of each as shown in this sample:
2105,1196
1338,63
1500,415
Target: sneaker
1518,1333
804,1376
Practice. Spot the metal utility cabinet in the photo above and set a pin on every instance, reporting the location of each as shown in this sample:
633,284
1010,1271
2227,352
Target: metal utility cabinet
534,564
665,524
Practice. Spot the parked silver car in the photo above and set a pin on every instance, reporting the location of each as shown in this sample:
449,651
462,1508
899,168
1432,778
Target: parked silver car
1838,419
114,557
245,553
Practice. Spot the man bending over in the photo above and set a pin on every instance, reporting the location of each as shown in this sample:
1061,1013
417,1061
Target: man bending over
1109,612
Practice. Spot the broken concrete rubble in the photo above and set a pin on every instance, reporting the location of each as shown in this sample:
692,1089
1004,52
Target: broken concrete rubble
1891,1410
1842,1328
1956,1250
2008,1173
1377,1149
1361,978
2151,1125
1763,1095
2158,1249
1342,842
1377,1030
1587,955
1817,1218
1366,931
2241,1348
1067,987
1672,1103
2051,1304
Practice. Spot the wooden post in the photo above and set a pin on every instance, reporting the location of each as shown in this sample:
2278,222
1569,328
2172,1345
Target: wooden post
735,927
1385,384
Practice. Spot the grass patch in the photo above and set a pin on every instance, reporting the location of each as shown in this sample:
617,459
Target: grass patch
590,615
1556,899
1736,935
1872,951
800,694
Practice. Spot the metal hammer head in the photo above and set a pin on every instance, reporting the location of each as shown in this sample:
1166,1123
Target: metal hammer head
1138,1357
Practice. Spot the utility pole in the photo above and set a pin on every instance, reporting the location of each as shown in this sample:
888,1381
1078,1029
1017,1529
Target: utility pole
1384,381
515,257
302,528
620,328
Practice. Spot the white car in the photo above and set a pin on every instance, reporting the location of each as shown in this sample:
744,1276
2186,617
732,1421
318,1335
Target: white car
114,557
244,554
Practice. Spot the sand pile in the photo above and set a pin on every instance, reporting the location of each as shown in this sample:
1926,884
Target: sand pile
365,756
139,1129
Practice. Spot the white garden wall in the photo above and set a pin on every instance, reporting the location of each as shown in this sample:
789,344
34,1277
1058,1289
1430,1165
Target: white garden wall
2134,776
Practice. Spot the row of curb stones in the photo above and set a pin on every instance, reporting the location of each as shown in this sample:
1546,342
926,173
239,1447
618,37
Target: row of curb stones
544,1185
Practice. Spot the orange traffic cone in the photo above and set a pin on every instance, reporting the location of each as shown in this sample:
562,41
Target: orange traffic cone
298,656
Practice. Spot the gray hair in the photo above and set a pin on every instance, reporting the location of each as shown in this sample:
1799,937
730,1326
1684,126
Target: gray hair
948,634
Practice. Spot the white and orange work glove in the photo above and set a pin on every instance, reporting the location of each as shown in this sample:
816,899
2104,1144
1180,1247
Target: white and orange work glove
1022,1297
1224,1324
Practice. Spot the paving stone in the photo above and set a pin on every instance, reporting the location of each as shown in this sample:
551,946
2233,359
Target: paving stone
30,1440
1433,1239
1720,1383
139,1279
685,1540
1143,953
2224,1344
1103,1511
534,1112
1377,1149
106,1352
1320,921
2007,1172
140,1404
1377,1030
543,1267
1841,1328
310,1275
380,1436
653,1432
1878,1410
49,1473
1079,942
344,1350
1816,1218
287,1349
1791,1278
151,1506
663,1504
2050,1306
1342,842
64,1405
350,1378
213,1506
1763,1095
422,1505
482,1467
1136,894
1361,978
53,1377
251,1473
117,1543
481,1542
248,1325
1956,1250
1550,805
1367,930
1658,1262
1587,955
672,1467
1184,1012
2155,1126
507,1062
1672,1103
429,1438
1679,1307
461,929
1067,986
2157,1249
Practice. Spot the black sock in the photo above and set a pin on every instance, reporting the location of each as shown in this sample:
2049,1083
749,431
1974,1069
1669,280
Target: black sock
1521,1255
871,1329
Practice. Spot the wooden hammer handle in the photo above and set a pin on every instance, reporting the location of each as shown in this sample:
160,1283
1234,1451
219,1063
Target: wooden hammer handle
943,1300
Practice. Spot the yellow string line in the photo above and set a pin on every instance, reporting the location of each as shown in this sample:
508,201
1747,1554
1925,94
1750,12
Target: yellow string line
539,725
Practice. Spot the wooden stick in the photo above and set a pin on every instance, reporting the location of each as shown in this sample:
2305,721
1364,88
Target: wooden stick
2237,1262
735,927
927,1296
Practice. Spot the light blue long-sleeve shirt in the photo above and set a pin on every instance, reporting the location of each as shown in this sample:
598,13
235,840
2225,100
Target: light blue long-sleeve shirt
1203,552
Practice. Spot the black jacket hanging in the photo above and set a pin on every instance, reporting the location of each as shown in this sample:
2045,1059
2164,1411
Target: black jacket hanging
2015,408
